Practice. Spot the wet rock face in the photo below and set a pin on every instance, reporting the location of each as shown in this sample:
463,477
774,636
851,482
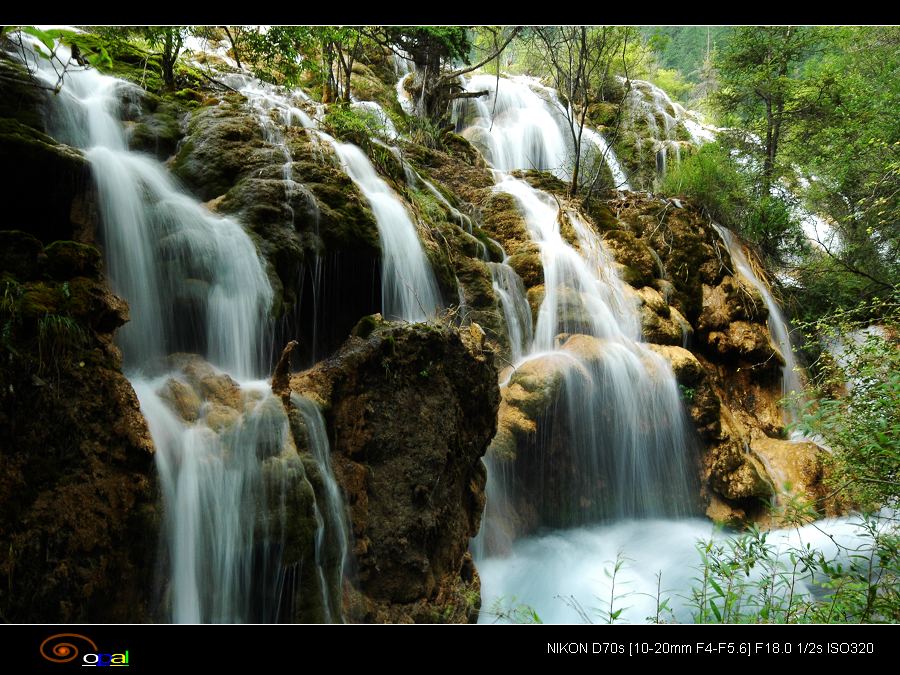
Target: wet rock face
316,232
78,497
411,410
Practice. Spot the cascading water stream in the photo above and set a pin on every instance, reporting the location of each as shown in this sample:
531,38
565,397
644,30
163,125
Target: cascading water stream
523,129
333,538
409,288
627,433
194,282
791,381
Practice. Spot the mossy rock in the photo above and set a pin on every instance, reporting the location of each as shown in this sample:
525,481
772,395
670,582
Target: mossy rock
47,179
528,265
503,221
19,254
603,114
40,298
543,180
20,97
67,259
222,143
158,132
366,325
367,86
601,215
640,265
345,220
459,147
475,278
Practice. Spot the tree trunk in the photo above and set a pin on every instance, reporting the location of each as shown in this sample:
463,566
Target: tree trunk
234,49
769,162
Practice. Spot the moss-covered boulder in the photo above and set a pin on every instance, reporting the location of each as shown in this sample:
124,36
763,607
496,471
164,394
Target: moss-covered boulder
159,129
78,498
223,142
634,253
67,259
414,481
21,98
47,180
527,263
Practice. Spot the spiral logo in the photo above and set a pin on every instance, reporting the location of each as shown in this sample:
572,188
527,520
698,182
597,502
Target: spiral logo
63,651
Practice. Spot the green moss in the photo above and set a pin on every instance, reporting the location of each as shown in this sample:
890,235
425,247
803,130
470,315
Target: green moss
495,253
682,134
503,221
543,180
40,299
366,325
367,86
189,96
635,255
603,114
459,147
528,265
67,259
602,216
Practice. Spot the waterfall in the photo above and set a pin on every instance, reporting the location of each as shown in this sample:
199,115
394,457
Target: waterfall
779,329
195,283
627,433
510,292
523,126
409,290
333,537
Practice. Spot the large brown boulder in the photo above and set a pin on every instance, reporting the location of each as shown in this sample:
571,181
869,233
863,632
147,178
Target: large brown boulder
410,409
78,498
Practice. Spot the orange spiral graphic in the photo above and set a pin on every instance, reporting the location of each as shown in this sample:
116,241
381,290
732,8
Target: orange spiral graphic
63,652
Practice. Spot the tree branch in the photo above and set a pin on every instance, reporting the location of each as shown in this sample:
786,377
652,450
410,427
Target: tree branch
470,94
456,73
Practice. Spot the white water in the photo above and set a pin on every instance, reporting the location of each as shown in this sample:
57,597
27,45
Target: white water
524,127
334,533
194,282
627,432
510,292
409,290
791,381
548,573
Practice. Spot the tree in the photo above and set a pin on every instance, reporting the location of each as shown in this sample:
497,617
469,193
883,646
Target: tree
763,87
581,61
169,40
434,50
856,155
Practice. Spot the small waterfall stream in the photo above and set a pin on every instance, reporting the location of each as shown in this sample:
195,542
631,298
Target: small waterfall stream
195,283
791,382
409,290
628,436
333,536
